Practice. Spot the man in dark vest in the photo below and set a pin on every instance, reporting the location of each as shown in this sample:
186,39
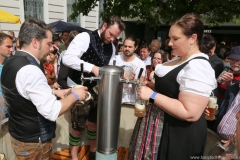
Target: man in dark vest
93,49
33,106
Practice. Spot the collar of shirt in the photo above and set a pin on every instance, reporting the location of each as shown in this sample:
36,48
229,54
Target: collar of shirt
32,56
100,37
99,33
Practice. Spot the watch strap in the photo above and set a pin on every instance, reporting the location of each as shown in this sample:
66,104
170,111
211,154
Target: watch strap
151,99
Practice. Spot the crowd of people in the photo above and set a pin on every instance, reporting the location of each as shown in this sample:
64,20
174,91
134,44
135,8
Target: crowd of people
39,70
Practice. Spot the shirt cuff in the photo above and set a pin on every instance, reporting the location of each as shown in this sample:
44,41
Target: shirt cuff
88,67
58,108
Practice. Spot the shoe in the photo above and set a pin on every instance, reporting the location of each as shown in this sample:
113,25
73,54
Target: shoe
92,155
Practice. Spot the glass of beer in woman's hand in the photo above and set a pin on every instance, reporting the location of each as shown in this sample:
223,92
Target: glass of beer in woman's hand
212,108
140,108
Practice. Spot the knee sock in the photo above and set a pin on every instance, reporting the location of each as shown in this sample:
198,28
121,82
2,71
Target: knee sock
74,140
91,135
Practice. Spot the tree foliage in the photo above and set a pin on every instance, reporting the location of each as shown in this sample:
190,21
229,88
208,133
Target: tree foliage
157,12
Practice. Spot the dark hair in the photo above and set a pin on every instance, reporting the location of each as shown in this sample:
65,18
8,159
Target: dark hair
32,28
208,42
132,38
119,46
64,32
222,51
165,57
161,53
191,24
3,36
71,36
115,19
146,46
55,50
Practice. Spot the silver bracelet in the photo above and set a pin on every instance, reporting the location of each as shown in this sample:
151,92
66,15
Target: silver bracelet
53,91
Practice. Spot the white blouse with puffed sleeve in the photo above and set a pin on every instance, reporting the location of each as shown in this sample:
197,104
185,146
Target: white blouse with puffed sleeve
196,77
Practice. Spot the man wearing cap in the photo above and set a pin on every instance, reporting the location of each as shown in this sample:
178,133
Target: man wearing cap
227,89
234,59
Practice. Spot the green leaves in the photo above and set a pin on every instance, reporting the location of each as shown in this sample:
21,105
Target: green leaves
156,12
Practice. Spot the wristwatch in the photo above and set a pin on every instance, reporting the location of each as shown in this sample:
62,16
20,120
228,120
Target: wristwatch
151,99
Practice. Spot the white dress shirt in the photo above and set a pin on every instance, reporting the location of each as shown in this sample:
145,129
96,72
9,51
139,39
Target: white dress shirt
196,77
76,49
32,85
148,61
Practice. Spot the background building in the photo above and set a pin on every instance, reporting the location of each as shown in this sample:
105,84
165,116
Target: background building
48,11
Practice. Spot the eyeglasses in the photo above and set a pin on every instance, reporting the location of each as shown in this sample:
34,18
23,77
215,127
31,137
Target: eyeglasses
233,60
157,59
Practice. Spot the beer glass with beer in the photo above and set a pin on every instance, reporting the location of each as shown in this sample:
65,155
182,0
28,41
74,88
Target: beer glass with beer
140,105
140,108
212,108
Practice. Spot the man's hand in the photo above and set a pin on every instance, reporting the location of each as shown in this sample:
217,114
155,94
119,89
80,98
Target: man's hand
56,85
227,78
81,92
95,71
62,93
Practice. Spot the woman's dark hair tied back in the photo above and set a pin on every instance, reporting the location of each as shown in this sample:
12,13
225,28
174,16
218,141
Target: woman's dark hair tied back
191,24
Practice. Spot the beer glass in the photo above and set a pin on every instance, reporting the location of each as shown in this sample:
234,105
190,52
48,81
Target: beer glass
140,105
226,69
127,70
212,108
140,108
89,94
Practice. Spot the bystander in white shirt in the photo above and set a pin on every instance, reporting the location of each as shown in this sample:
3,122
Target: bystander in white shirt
137,65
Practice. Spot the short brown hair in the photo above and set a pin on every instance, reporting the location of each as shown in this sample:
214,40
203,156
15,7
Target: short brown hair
115,19
146,46
32,28
3,36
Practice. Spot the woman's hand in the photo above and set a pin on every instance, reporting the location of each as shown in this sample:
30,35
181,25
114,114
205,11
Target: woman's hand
150,84
144,93
206,112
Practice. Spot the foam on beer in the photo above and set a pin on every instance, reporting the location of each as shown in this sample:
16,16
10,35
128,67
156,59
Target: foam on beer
212,102
140,106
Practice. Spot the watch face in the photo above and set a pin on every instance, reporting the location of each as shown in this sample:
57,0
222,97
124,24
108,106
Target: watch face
151,100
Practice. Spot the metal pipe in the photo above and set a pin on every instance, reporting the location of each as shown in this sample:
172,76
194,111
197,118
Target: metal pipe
109,109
